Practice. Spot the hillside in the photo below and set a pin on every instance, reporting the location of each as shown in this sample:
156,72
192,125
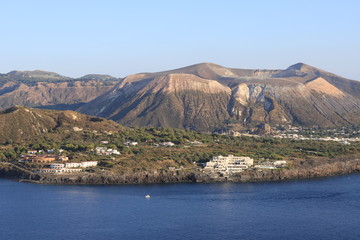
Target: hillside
21,124
51,90
207,97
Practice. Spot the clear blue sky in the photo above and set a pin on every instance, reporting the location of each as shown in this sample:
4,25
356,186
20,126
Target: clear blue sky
76,37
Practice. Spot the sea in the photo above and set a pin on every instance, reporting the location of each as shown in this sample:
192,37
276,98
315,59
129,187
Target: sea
324,208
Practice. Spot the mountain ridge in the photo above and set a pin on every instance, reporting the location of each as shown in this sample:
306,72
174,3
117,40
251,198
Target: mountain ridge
301,95
51,90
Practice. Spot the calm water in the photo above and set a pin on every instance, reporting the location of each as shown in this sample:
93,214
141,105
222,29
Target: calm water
312,209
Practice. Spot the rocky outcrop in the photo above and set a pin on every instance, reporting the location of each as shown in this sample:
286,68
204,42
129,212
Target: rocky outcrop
11,171
130,178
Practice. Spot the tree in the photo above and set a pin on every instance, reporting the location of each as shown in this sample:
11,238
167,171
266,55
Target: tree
2,157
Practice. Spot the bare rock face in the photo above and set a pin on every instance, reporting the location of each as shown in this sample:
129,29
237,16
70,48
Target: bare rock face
170,100
51,90
207,97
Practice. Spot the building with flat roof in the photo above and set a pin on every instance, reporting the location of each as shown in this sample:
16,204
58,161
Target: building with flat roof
229,164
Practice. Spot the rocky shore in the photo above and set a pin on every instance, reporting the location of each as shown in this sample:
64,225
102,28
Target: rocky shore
304,170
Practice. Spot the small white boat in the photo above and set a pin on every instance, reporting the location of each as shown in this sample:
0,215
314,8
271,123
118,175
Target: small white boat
147,196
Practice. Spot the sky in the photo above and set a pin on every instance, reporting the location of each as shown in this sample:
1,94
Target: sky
78,37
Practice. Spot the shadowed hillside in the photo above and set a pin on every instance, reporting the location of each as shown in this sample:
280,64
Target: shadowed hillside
21,123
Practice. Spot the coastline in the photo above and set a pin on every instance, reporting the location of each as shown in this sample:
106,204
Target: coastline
334,168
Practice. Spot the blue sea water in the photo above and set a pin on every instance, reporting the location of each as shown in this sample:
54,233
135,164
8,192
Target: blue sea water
327,208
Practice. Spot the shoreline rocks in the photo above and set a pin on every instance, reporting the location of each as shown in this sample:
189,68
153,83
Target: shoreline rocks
10,171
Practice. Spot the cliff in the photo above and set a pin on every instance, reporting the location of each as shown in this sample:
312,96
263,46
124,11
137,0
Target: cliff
11,171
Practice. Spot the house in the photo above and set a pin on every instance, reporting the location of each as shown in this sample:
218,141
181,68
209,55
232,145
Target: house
104,142
113,152
72,165
101,150
106,151
167,144
130,143
62,158
32,152
229,164
51,150
280,164
81,164
88,164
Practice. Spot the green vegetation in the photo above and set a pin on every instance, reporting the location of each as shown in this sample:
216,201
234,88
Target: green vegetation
149,155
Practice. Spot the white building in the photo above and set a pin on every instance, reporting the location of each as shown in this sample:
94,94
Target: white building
271,165
130,143
51,150
81,164
62,158
167,144
229,164
57,165
106,151
71,170
88,164
280,163
113,152
101,150
72,165
59,170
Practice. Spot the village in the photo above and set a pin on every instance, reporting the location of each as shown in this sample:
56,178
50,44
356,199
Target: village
59,164
53,161
344,136
50,162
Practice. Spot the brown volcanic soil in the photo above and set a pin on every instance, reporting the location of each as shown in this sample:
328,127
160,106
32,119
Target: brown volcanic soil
207,97
22,124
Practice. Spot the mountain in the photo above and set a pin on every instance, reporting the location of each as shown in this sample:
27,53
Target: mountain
98,77
207,97
51,90
33,76
21,123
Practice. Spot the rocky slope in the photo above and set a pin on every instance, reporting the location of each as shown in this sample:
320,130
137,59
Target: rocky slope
207,97
50,90
21,124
